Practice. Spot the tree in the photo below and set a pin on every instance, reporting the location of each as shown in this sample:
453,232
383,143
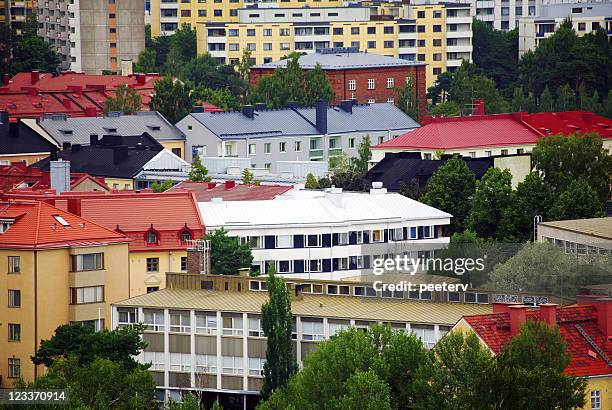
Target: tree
406,101
590,102
311,182
172,99
174,62
468,86
518,100
438,92
277,324
126,100
533,196
184,39
366,385
247,177
411,190
222,98
546,103
607,108
446,109
491,197
146,61
577,201
450,189
324,182
227,255
120,345
198,172
360,163
163,186
561,160
27,51
566,99
495,53
317,86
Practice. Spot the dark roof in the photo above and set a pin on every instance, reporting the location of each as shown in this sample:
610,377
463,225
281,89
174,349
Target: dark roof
396,168
17,138
98,160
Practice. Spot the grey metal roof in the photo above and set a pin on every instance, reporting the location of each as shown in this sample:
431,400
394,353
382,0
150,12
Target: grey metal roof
300,121
343,61
77,130
566,10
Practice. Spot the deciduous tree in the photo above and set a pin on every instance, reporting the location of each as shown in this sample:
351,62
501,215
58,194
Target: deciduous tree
227,255
126,100
577,201
491,197
172,99
198,172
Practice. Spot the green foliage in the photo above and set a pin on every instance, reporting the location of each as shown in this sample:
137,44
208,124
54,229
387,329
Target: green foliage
311,182
190,402
184,39
163,187
324,182
450,189
126,99
518,100
85,345
411,190
468,85
546,103
607,106
406,101
495,53
205,71
227,255
222,97
491,197
561,160
277,324
577,201
247,177
438,93
366,385
172,99
360,163
146,61
566,98
446,109
198,172
340,163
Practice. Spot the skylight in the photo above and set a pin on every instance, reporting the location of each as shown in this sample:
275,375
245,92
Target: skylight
61,220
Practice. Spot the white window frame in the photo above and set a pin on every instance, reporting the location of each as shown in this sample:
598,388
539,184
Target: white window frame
282,146
425,333
206,363
284,247
155,324
258,286
309,288
307,267
184,325
157,359
252,149
334,328
397,237
210,323
312,330
267,148
390,82
318,244
371,84
382,236
132,316
431,232
234,330
255,329
595,399
343,238
289,267
180,362
352,85
298,146
337,292
232,364
256,366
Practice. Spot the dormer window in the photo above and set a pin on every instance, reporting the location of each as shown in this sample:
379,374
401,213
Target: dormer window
5,225
185,234
152,237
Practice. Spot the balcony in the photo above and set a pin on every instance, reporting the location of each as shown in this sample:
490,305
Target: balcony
315,153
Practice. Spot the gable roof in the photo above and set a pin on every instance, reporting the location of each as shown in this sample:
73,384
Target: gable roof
18,138
498,130
37,226
301,121
205,191
494,330
598,227
80,128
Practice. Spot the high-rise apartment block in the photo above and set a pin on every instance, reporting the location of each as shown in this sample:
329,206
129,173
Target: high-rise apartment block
15,13
93,36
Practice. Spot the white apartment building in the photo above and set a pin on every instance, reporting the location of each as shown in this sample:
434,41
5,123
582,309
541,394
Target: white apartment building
331,234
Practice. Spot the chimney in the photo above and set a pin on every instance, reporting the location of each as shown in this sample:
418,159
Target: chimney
211,185
518,317
4,117
120,152
91,111
321,116
248,111
347,106
604,317
479,107
230,184
377,188
74,206
34,76
93,139
499,307
548,313
66,145
5,79
141,79
60,175
75,148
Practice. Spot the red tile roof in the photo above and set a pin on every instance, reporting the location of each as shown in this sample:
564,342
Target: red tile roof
494,330
49,82
133,214
35,226
18,173
498,130
204,191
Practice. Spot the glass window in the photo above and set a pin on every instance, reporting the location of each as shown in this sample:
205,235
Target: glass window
84,262
206,363
312,329
313,265
14,332
284,241
151,237
152,264
232,326
14,368
313,241
127,316
154,319
206,323
256,366
255,329
232,365
14,264
180,321
89,294
371,84
596,400
426,333
377,235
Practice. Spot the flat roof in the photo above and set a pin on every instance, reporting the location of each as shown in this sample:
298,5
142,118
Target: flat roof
599,227
374,309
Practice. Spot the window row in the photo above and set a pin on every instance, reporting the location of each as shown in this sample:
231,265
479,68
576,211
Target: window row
88,294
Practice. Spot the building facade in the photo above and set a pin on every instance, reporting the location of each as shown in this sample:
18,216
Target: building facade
93,36
331,234
578,236
47,251
15,13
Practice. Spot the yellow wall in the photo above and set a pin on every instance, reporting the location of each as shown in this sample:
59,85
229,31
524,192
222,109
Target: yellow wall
122,183
140,279
169,145
429,50
46,274
29,159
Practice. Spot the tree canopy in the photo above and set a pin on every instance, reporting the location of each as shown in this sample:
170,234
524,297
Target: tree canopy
198,172
172,99
491,197
227,255
126,100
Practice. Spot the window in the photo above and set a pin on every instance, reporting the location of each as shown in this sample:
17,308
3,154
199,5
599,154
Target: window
390,82
14,368
312,288
437,28
256,366
180,362
371,30
152,237
183,264
251,46
366,291
185,235
354,30
14,298
251,32
352,85
371,83
267,46
377,235
127,316
437,57
201,13
152,264
298,146
180,321
520,151
206,323
338,31
344,290
89,294
255,327
355,44
313,241
233,32
61,220
428,232
313,265
257,285
151,289
267,32
154,319
421,29
472,154
267,148
14,264
504,152
232,326
421,57
157,359
312,329
596,399
425,333
437,14
283,32
232,365
581,26
282,146
437,42
371,44
284,241
283,266
14,332
234,47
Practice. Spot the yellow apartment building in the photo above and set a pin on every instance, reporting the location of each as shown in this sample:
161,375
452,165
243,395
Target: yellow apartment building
55,268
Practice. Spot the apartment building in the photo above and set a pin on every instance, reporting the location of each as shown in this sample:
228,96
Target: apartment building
93,36
585,17
578,236
168,15
331,234
266,137
45,253
14,13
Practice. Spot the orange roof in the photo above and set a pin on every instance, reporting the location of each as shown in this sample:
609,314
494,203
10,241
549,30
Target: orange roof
230,191
38,225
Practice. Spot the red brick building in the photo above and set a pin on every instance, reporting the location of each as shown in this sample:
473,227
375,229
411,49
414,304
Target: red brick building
366,77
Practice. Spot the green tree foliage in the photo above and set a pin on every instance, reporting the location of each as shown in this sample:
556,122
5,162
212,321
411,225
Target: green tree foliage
26,51
406,99
324,182
222,98
311,182
446,109
577,201
172,99
519,102
495,53
566,98
590,102
607,106
85,345
468,85
198,172
450,189
186,42
190,402
277,324
410,190
532,197
317,86
364,154
333,374
542,267
340,163
227,255
438,93
561,160
491,197
546,103
146,62
163,186
173,66
247,177
126,99
205,71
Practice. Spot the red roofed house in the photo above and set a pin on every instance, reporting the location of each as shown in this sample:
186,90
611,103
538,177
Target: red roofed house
159,227
230,191
55,268
585,327
18,176
483,135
